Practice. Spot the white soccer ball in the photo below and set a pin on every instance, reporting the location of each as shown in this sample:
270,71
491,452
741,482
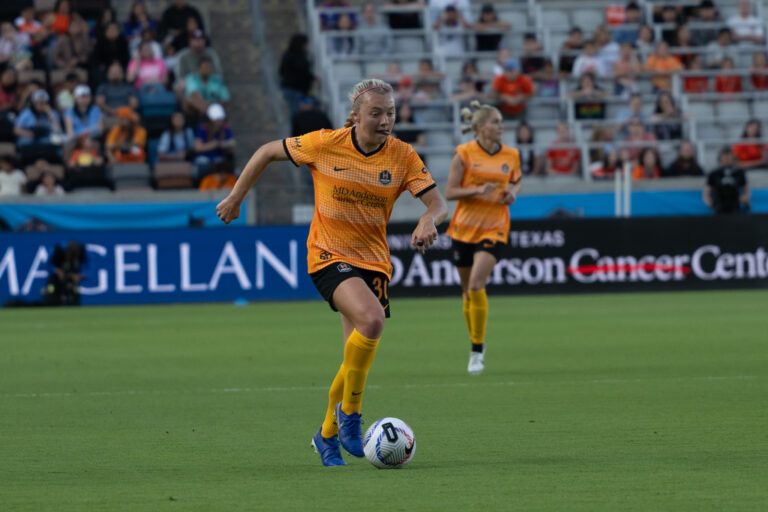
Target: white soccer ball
389,443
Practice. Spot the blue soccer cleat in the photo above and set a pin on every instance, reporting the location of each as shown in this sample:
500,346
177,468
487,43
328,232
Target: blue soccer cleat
328,448
350,433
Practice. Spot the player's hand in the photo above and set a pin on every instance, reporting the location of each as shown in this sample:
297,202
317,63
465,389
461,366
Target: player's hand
424,235
485,189
508,196
228,209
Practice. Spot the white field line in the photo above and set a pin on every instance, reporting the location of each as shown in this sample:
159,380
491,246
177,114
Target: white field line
479,383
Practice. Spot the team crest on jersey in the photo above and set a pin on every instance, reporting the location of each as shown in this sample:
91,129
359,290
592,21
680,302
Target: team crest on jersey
505,169
325,255
297,142
343,267
385,177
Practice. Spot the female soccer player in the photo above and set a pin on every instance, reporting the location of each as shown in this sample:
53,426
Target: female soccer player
485,178
359,171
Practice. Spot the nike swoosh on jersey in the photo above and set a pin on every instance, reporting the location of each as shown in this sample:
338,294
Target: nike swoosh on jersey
339,169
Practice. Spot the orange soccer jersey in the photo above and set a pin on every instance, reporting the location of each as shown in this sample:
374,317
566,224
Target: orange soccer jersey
484,217
354,195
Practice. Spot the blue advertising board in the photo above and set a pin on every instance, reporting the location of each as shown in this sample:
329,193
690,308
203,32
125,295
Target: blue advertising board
161,266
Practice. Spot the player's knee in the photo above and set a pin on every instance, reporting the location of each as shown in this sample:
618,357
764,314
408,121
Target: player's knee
371,324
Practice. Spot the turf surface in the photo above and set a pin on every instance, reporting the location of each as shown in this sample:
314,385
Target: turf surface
588,403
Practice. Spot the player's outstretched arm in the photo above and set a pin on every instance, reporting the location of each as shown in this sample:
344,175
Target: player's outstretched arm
454,190
425,233
229,208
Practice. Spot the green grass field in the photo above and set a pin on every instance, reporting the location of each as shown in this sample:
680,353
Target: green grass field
644,402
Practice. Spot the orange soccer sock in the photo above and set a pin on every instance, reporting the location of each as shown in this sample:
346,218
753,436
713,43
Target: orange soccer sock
478,312
330,428
467,316
358,358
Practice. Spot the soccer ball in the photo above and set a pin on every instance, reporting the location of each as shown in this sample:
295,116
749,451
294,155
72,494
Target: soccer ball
389,443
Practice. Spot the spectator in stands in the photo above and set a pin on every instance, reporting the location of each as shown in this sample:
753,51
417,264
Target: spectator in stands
661,65
469,69
204,88
450,27
607,167
427,71
174,19
115,92
109,48
638,138
62,14
106,16
309,118
38,123
85,167
532,59
626,70
491,29
707,14
64,93
751,154
683,43
220,178
685,164
373,37
574,43
529,160
343,44
632,19
177,143
720,49
588,62
564,156
467,92
406,89
758,72
146,68
599,146
437,9
26,23
669,16
14,48
588,98
645,40
332,10
9,103
188,59
695,83
296,77
667,118
503,54
48,186
138,21
648,166
12,180
85,154
727,83
746,27
607,48
214,142
408,14
85,117
127,140
727,190
73,49
182,39
547,83
406,129
149,36
512,90
426,90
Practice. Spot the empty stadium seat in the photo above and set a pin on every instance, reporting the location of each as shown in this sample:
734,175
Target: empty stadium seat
709,131
174,175
439,138
760,109
587,19
701,110
135,175
733,109
555,18
409,44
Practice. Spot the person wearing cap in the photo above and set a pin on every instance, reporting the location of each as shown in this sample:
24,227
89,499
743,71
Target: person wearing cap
204,88
38,121
188,59
85,117
214,141
512,90
126,141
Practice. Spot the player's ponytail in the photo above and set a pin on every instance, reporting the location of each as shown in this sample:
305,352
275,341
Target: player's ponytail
361,89
350,119
475,115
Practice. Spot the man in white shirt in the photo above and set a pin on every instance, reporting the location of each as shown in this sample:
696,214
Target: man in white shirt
12,180
746,27
589,62
437,8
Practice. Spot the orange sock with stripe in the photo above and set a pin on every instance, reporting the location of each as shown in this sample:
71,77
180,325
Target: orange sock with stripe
478,313
465,307
358,358
330,428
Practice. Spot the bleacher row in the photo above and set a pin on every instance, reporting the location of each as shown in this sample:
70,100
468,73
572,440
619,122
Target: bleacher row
710,119
156,102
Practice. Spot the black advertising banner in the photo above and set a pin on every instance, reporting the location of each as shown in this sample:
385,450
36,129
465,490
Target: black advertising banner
599,255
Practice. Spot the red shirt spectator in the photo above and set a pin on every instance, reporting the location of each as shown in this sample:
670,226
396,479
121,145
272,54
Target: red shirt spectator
512,89
695,84
563,157
751,154
726,84
759,70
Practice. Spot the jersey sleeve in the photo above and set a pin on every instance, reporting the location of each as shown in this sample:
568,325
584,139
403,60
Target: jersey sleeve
304,149
516,173
418,180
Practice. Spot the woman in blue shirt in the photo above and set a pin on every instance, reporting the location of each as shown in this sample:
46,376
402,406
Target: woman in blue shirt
85,117
38,122
177,143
